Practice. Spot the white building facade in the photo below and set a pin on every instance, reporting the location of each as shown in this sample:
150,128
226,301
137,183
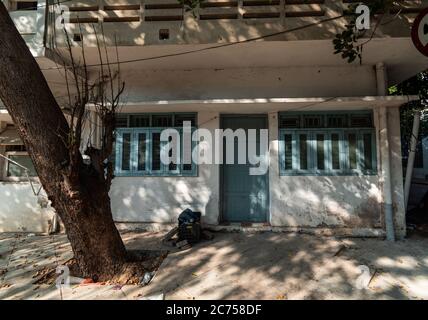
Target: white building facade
334,152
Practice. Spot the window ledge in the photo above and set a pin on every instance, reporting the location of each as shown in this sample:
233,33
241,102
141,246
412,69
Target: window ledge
332,174
133,175
18,180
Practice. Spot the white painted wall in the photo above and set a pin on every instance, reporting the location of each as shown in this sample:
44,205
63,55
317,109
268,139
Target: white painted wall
280,82
19,209
161,199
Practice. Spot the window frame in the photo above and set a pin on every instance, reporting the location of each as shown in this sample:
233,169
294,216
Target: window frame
24,177
328,159
127,118
149,172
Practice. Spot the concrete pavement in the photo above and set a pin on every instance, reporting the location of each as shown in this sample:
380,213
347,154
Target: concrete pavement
236,266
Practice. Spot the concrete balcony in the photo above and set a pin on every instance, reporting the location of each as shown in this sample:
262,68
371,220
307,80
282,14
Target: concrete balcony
31,25
25,21
156,22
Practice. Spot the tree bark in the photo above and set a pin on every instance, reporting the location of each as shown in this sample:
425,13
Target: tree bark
79,195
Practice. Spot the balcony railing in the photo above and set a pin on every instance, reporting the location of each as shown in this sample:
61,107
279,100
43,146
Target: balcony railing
30,23
138,22
171,10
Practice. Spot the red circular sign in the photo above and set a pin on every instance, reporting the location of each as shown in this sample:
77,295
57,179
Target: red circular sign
420,32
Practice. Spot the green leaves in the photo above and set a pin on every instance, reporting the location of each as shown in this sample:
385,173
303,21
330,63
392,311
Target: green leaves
190,5
345,44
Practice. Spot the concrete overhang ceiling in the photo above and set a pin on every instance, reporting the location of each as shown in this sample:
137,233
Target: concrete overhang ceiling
399,54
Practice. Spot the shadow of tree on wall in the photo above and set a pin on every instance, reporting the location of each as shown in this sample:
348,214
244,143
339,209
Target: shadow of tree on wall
346,201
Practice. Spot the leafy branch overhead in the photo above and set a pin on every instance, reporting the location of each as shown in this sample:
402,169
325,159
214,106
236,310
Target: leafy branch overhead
416,85
190,5
348,42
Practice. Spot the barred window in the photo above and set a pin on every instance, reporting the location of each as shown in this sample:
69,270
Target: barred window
138,147
327,144
19,161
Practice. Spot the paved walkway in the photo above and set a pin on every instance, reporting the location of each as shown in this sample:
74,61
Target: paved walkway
236,266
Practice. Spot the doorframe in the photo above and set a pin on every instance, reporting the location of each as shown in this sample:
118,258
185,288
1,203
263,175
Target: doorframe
222,116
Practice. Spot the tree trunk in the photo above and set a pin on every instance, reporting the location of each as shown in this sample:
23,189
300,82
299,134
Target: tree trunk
79,195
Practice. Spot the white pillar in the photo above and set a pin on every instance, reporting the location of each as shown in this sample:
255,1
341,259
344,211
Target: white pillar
276,216
93,131
385,154
386,174
98,130
411,159
381,80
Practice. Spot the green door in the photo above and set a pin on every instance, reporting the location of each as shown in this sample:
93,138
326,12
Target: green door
245,197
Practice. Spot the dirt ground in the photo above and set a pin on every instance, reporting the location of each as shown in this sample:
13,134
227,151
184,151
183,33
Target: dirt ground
234,266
